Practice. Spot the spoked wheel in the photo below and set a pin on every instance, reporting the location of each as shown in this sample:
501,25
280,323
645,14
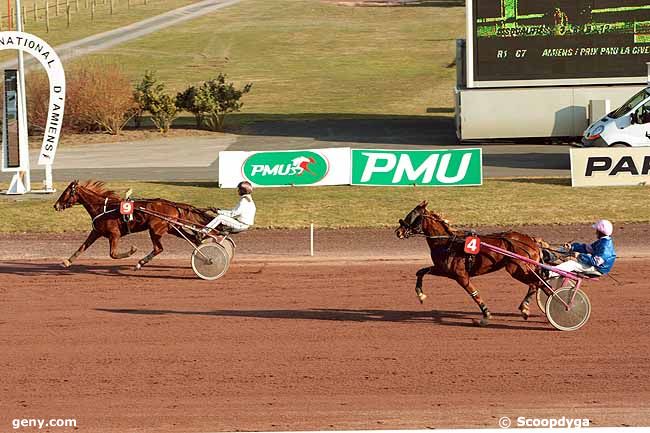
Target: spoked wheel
210,261
572,318
229,245
556,283
542,297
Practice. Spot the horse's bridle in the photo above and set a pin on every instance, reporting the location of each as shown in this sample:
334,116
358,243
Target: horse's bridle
414,227
73,192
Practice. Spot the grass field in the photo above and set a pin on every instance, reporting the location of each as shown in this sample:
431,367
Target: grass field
498,202
81,25
308,56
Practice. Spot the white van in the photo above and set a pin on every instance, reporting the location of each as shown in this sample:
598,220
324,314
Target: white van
628,125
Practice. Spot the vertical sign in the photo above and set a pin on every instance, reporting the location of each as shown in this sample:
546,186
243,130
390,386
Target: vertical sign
10,145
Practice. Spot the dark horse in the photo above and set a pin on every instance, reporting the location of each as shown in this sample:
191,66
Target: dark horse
451,261
103,207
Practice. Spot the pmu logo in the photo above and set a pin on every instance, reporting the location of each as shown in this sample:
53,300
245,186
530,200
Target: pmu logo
434,168
285,168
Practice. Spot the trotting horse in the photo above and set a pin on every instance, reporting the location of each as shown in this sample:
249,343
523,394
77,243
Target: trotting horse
450,260
103,207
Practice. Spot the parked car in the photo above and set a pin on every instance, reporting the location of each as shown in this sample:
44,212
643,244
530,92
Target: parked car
628,125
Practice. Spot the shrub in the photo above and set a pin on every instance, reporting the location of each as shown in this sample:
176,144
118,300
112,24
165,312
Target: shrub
110,103
98,98
143,93
38,95
150,96
216,99
163,111
186,101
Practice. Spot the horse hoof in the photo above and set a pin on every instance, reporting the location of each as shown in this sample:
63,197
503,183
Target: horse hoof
66,263
422,297
525,314
483,322
138,267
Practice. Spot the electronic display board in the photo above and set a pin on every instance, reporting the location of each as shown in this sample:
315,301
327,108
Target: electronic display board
555,42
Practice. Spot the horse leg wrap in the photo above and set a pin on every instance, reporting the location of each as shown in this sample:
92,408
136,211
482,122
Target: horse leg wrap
525,310
420,294
478,299
68,262
144,260
485,310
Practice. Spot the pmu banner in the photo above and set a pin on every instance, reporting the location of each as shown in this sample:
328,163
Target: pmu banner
458,167
610,166
44,53
309,167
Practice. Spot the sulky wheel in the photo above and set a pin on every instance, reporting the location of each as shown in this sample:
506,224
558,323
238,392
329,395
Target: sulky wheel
230,246
555,283
542,297
210,261
573,317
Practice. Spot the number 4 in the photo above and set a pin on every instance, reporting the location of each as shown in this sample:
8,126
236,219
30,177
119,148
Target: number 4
472,245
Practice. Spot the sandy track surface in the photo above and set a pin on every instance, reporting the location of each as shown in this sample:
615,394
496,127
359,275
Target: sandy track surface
291,245
289,345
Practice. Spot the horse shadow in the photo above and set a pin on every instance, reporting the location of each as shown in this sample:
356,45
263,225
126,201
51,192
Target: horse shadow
33,269
439,317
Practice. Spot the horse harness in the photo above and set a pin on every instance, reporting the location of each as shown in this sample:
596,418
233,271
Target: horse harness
456,239
126,218
451,252
104,212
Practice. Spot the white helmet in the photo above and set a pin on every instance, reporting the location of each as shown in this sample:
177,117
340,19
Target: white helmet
604,226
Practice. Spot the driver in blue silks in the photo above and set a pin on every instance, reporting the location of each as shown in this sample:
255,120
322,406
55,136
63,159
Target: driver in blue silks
598,257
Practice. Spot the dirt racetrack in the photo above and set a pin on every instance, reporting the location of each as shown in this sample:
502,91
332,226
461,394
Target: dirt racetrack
287,343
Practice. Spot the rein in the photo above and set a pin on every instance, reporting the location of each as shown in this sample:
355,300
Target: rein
455,237
422,235
108,201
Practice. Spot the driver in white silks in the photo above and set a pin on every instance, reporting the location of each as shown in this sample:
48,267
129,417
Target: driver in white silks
598,257
241,217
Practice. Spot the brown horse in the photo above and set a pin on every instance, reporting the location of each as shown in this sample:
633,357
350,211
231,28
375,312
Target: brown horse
103,207
450,260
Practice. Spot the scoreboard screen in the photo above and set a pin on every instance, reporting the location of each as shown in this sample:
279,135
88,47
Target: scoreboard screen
558,40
